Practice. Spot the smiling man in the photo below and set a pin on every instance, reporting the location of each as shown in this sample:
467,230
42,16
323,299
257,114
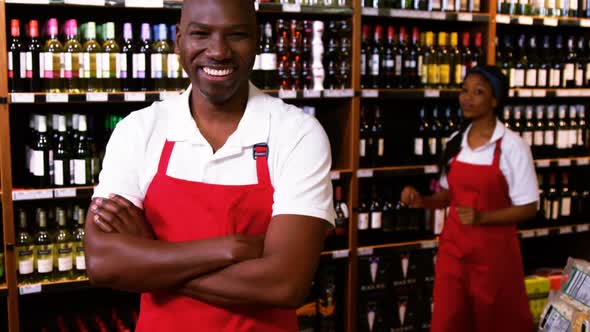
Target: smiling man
213,204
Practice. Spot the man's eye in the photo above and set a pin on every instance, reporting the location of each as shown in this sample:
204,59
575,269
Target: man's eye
238,34
199,33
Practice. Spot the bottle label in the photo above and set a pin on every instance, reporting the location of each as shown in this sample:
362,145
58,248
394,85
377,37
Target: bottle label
562,139
68,65
573,5
363,147
531,78
29,64
573,138
433,75
580,137
124,65
519,78
538,138
22,70
432,146
80,262
268,61
569,73
80,171
410,64
587,74
94,166
174,65
389,64
157,61
344,209
106,65
555,78
381,147
37,163
363,64
363,221
257,64
566,206
45,259
376,220
64,259
528,137
512,77
10,65
555,210
420,65
549,137
458,74
418,146
547,209
444,74
374,65
398,65
47,64
542,78
139,67
58,171
25,266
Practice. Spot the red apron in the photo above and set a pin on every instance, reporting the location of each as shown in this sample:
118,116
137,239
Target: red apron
182,210
479,279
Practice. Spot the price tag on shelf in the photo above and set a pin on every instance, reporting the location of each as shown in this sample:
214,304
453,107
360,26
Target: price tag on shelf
583,22
364,173
542,232
564,162
467,17
370,93
511,93
576,92
431,93
56,98
397,13
552,22
583,162
145,3
566,230
291,7
429,245
542,93
421,14
311,94
340,253
527,234
584,92
335,93
438,16
168,94
18,98
525,20
543,163
365,251
347,93
502,19
29,195
97,97
525,93
287,94
134,96
256,6
32,2
582,228
370,11
85,2
562,93
64,193
432,169
29,289
335,175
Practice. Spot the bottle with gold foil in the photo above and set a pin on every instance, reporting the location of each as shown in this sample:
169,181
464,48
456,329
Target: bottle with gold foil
430,66
72,59
78,245
92,59
44,250
111,60
443,61
63,262
455,58
159,56
51,59
24,250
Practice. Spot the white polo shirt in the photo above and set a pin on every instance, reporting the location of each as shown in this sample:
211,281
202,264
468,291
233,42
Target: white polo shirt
516,163
299,153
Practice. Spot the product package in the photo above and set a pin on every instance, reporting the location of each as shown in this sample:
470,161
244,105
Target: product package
558,314
576,283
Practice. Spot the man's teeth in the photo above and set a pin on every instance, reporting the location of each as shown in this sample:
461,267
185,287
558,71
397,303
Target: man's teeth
218,72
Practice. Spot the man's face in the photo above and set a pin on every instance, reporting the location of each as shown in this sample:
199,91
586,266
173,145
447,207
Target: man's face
217,45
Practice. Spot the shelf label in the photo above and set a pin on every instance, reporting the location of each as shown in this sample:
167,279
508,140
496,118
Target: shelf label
468,17
583,22
371,93
542,232
64,193
525,20
29,289
566,230
335,93
287,94
552,22
584,92
335,175
525,93
583,162
562,93
540,93
370,11
145,3
134,96
33,2
432,169
365,251
22,98
347,93
340,253
511,93
502,19
527,234
564,162
422,14
312,94
291,7
56,98
583,228
97,97
85,2
431,93
364,173
397,13
29,195
438,16
168,94
543,163
429,244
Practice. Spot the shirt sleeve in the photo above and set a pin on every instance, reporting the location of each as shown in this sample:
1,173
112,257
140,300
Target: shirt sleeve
303,185
522,183
120,171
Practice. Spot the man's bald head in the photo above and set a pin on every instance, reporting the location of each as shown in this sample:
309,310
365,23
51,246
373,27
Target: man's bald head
245,6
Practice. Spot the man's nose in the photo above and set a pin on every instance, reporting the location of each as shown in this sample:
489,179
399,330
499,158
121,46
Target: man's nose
218,48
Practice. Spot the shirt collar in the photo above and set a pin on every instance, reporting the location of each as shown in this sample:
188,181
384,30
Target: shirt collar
253,128
498,133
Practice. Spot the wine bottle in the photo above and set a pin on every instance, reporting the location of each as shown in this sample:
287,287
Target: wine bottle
430,70
73,62
63,262
565,199
550,132
388,63
17,60
364,144
92,61
82,162
33,66
528,128
375,59
24,250
44,249
141,61
127,57
443,60
51,59
111,60
40,154
78,245
378,134
159,58
268,60
63,156
539,133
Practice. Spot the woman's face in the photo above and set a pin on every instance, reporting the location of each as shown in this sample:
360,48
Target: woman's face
476,97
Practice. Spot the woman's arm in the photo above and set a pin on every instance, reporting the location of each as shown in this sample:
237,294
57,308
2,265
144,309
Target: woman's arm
506,216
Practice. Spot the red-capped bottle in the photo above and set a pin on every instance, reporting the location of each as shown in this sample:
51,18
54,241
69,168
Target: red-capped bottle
365,49
375,58
466,56
17,74
477,52
33,48
388,62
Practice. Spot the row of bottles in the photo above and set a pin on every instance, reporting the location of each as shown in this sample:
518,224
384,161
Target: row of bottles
93,58
62,151
531,61
337,237
316,3
399,61
311,55
431,5
52,249
564,8
551,130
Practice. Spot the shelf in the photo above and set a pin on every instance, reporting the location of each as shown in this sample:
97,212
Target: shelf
542,21
544,93
311,94
54,287
335,254
410,93
376,249
96,97
553,231
294,8
562,162
427,15
50,193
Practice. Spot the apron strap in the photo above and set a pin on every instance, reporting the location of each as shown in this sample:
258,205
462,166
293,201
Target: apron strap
165,157
497,153
260,153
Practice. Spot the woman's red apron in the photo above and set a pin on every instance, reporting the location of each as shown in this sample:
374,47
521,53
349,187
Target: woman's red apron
479,279
181,210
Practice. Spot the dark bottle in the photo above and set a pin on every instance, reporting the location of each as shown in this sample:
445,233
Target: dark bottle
365,50
539,133
40,158
63,156
477,52
583,138
532,69
268,60
544,71
528,129
402,49
378,134
388,215
522,63
552,210
435,137
388,61
565,197
376,213
129,75
582,63
557,63
295,51
306,55
82,155
365,144
466,55
283,56
363,221
342,214
33,65
421,149
550,132
142,59
17,60
412,62
345,54
375,59
568,79
507,60
573,127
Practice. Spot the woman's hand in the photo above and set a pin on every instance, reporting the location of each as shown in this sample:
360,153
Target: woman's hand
468,216
412,198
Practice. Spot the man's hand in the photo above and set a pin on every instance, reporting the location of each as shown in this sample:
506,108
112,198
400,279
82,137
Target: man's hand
118,215
468,216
